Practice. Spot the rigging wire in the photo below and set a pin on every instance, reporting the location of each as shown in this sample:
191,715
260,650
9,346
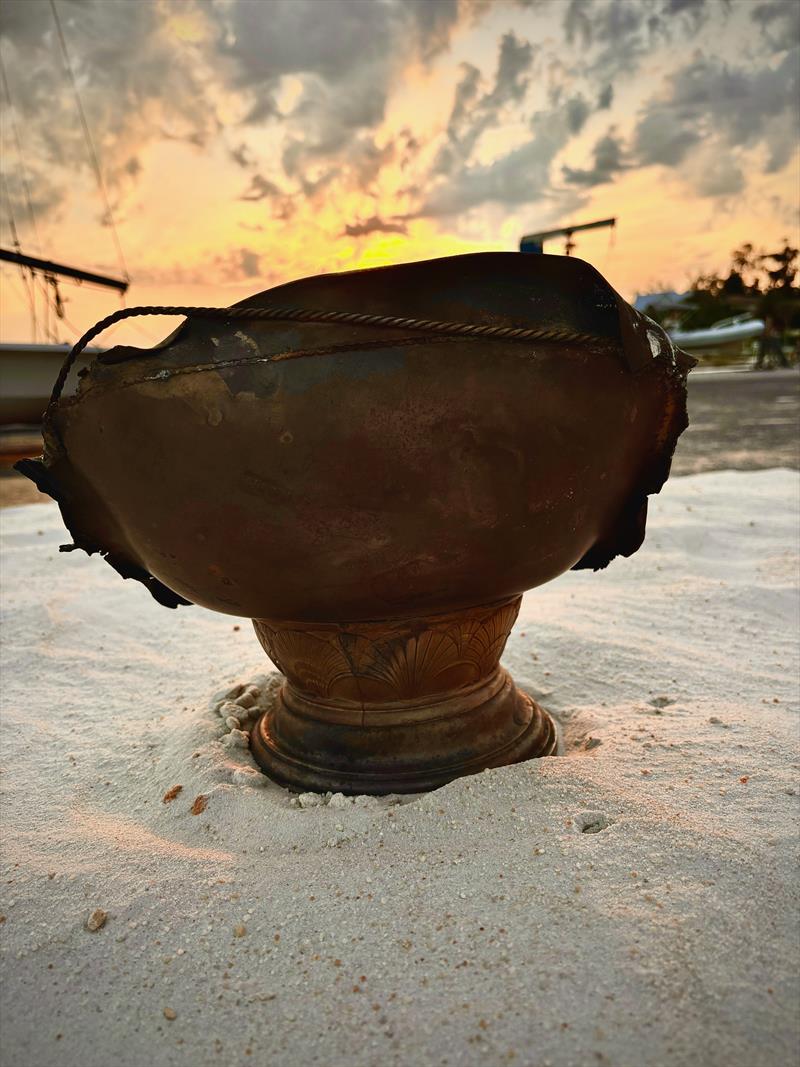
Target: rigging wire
48,332
27,296
26,275
93,157
29,276
20,152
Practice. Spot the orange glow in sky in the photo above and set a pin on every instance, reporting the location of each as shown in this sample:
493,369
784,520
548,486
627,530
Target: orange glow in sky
237,151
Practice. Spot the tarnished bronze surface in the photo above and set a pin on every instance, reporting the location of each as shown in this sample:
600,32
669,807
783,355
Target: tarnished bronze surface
349,487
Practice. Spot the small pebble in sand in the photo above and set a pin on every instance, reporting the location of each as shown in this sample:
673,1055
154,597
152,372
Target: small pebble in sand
246,700
239,931
339,800
309,800
227,707
661,702
592,822
246,776
200,804
236,739
255,691
171,794
232,722
171,1014
96,920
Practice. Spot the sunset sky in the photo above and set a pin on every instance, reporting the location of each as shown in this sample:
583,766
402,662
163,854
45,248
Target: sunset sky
248,142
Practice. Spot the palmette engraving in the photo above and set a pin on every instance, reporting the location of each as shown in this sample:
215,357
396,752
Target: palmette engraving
391,660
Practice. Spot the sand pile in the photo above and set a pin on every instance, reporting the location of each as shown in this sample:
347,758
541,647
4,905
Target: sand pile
633,902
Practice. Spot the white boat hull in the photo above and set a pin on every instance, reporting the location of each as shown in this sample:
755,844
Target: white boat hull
27,374
718,336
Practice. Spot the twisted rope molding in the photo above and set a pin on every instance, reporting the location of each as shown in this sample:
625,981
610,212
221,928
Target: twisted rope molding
557,334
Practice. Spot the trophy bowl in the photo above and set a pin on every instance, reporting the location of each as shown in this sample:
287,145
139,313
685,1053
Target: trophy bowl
376,493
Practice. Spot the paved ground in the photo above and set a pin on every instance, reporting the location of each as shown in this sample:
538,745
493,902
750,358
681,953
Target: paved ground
739,420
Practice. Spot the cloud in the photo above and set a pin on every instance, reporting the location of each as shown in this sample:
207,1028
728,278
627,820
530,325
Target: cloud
617,36
577,113
779,22
347,57
151,71
295,97
605,98
715,174
373,225
249,262
242,155
662,136
136,85
608,155
709,101
260,188
474,112
513,64
518,177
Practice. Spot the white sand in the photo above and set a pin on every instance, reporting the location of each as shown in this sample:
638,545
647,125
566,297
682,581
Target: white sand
474,925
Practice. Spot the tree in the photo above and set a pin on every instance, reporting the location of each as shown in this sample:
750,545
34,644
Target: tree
743,277
786,269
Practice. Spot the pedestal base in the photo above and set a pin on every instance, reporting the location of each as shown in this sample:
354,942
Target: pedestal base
395,707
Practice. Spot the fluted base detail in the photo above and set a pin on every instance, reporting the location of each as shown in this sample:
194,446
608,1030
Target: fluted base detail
395,706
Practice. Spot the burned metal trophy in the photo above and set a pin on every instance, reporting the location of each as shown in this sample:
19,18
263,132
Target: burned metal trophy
373,467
